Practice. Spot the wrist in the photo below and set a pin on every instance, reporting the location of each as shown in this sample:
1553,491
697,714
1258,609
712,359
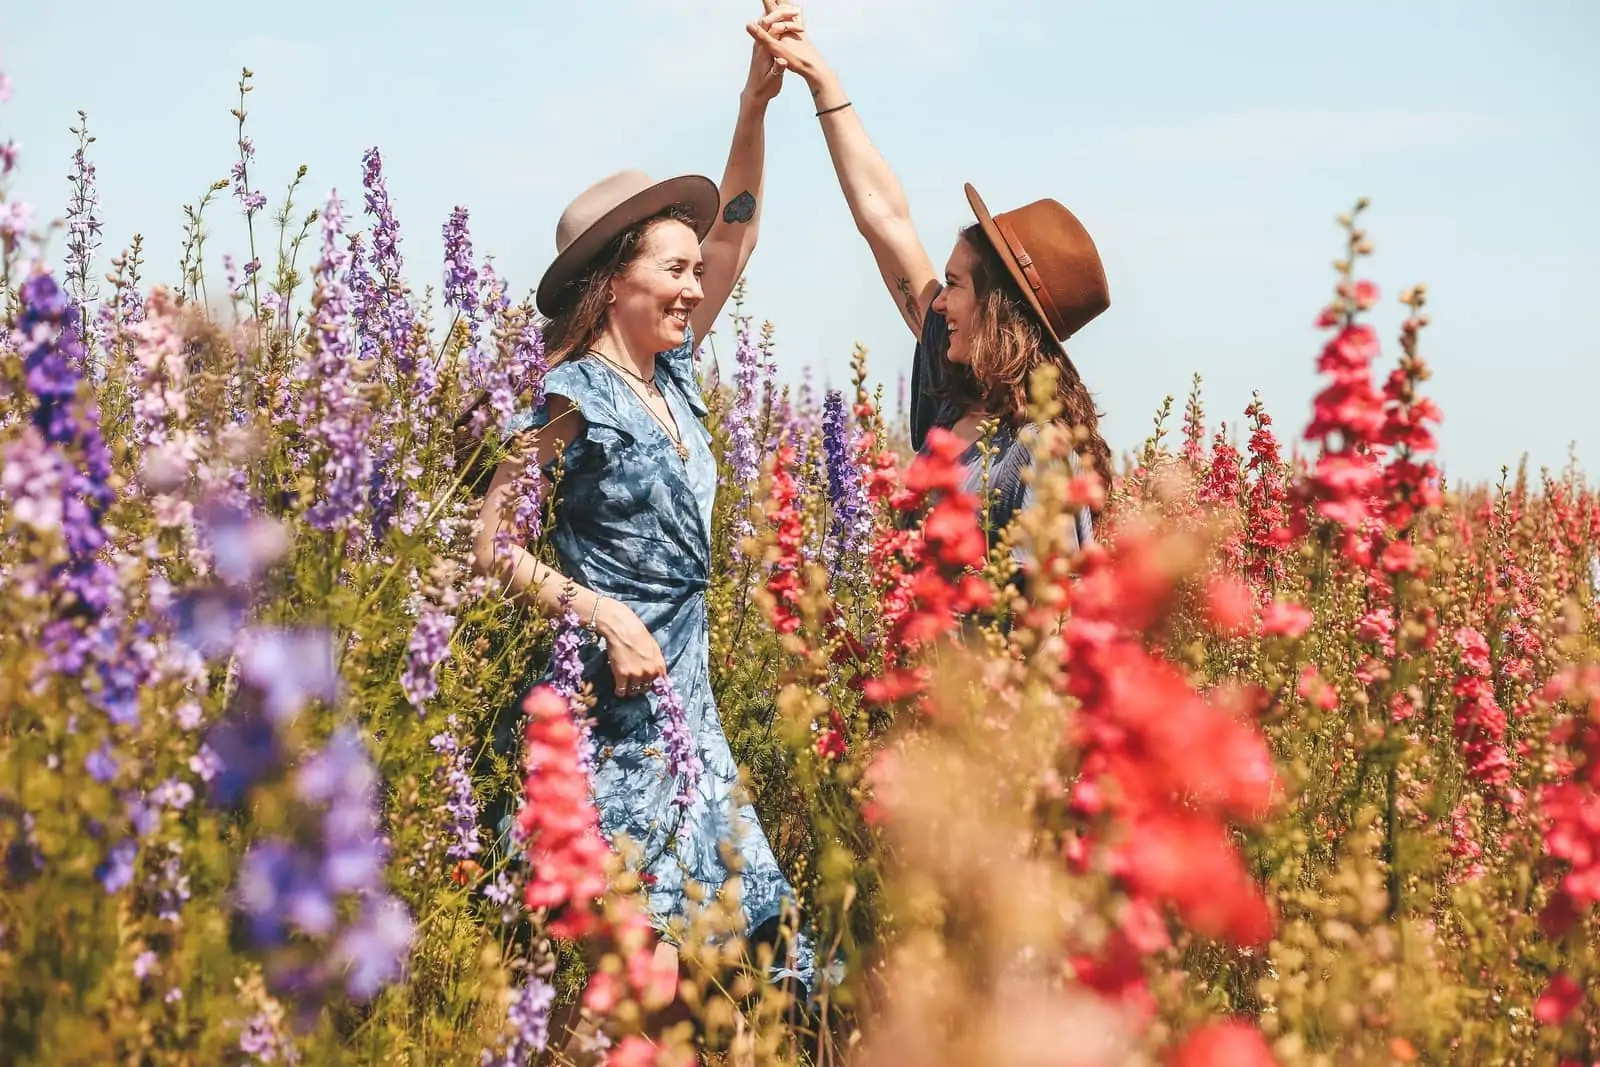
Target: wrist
826,91
753,106
602,620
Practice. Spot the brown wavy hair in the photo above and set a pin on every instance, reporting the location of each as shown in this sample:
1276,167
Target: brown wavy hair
586,299
1008,343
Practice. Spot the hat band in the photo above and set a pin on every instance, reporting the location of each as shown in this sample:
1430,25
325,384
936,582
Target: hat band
1024,261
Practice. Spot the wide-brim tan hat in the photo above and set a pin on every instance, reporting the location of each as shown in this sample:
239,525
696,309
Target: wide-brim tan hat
606,209
1053,260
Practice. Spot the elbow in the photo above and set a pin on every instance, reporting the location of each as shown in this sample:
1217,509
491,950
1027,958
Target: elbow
879,218
482,560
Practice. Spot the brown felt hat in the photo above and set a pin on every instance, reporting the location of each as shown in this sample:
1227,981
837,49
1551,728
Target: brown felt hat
606,209
1052,258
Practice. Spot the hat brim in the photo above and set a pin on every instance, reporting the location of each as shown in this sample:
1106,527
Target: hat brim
997,239
693,191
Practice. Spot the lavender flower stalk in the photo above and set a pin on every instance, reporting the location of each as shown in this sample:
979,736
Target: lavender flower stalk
461,803
744,450
335,411
83,586
461,279
390,314
683,760
566,670
850,532
429,646
83,225
526,491
527,1029
160,407
295,886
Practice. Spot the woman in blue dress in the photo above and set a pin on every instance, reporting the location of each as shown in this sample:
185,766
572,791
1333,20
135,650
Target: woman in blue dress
1016,286
642,269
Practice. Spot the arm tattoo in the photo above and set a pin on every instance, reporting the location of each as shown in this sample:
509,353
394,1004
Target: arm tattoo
909,298
741,208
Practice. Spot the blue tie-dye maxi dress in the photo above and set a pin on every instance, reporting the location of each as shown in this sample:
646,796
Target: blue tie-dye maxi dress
632,521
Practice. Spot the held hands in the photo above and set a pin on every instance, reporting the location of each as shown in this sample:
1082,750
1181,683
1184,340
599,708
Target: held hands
636,658
781,42
766,73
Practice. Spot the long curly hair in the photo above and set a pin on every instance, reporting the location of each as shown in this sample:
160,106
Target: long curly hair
1008,343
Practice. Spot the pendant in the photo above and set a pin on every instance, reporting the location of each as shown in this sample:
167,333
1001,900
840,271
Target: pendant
683,451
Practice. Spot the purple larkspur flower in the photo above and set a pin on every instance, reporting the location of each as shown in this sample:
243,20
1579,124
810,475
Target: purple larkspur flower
526,505
84,586
280,671
263,1038
102,763
425,652
172,793
295,885
279,891
335,411
359,284
373,950
341,781
744,454
160,406
241,545
15,218
116,870
461,803
460,275
527,1029
677,740
390,313
850,531
144,817
501,891
32,479
249,199
566,670
144,964
289,668
169,885
83,225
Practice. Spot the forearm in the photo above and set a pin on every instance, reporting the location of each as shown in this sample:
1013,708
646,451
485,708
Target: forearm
732,238
530,581
743,179
870,187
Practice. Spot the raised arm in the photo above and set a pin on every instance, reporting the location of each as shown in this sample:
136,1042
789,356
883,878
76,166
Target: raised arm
877,202
732,239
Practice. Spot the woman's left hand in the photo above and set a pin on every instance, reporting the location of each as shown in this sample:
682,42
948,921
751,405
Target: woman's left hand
765,80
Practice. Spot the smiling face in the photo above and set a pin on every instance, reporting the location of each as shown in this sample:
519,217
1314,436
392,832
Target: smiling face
958,300
653,298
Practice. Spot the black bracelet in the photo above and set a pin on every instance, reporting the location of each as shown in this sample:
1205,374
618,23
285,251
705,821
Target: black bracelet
831,110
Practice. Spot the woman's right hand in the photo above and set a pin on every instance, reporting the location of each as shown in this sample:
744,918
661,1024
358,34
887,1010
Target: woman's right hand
781,30
635,656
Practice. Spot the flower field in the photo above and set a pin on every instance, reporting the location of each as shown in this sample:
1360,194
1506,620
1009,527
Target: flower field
1297,764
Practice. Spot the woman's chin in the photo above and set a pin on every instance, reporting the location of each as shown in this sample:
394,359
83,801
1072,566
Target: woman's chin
672,336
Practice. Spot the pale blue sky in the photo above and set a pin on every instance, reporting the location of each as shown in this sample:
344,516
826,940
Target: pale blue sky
1207,146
